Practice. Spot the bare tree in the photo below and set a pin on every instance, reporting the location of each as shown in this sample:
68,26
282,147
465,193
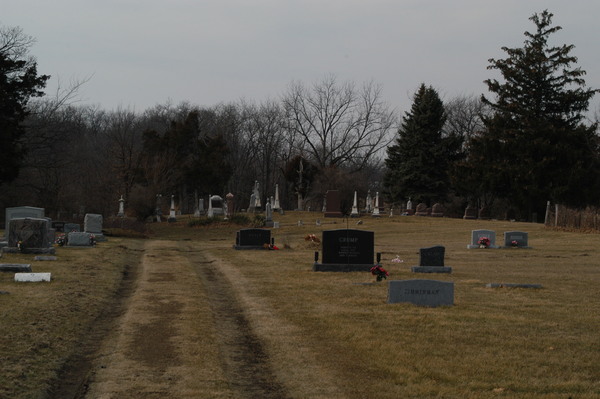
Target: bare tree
340,126
464,116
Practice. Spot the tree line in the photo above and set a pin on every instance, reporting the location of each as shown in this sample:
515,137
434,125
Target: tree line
523,144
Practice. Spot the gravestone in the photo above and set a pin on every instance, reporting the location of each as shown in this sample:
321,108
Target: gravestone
485,213
516,239
172,216
437,210
33,234
92,223
216,203
332,200
421,209
476,235
21,212
69,227
470,213
59,226
32,277
15,267
79,239
421,292
346,250
253,239
45,258
432,261
268,214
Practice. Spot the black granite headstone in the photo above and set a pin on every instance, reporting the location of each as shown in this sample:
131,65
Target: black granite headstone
252,238
347,250
432,256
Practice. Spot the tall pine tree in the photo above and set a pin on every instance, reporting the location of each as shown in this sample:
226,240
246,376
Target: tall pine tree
417,164
536,139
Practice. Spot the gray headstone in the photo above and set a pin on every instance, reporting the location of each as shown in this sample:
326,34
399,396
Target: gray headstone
476,235
31,232
69,227
21,212
45,257
79,239
15,267
518,239
421,292
92,223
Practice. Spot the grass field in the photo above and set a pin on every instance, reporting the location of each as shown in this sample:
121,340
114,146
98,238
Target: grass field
511,343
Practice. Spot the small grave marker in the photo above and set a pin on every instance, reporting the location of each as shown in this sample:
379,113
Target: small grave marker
32,277
421,292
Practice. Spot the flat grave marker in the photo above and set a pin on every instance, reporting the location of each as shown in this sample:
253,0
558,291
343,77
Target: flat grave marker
32,277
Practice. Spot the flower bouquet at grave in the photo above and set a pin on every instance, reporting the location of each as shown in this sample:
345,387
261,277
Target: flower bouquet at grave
379,272
92,240
61,240
312,238
484,242
514,243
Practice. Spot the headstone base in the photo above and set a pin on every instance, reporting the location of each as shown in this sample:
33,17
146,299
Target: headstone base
431,269
241,247
15,267
333,267
42,257
510,285
470,246
15,250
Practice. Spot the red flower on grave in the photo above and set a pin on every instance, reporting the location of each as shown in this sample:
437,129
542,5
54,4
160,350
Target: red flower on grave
379,272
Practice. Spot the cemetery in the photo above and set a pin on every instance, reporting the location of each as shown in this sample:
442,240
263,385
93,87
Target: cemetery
492,312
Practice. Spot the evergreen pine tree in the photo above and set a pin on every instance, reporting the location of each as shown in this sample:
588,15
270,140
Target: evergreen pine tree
535,140
417,164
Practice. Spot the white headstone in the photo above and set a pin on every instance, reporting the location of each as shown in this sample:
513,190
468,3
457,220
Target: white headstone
276,205
354,211
32,277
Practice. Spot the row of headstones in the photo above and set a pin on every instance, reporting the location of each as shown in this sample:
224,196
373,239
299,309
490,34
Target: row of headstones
353,250
487,239
28,230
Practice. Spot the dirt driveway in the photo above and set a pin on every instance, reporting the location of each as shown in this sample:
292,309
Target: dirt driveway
163,345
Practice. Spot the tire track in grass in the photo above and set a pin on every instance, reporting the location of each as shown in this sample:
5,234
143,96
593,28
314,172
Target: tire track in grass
244,359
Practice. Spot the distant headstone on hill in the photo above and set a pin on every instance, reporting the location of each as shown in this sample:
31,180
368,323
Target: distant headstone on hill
516,239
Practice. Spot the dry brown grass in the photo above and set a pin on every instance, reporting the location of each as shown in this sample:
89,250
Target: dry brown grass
332,337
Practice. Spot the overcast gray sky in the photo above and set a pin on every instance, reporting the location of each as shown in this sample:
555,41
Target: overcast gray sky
140,53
